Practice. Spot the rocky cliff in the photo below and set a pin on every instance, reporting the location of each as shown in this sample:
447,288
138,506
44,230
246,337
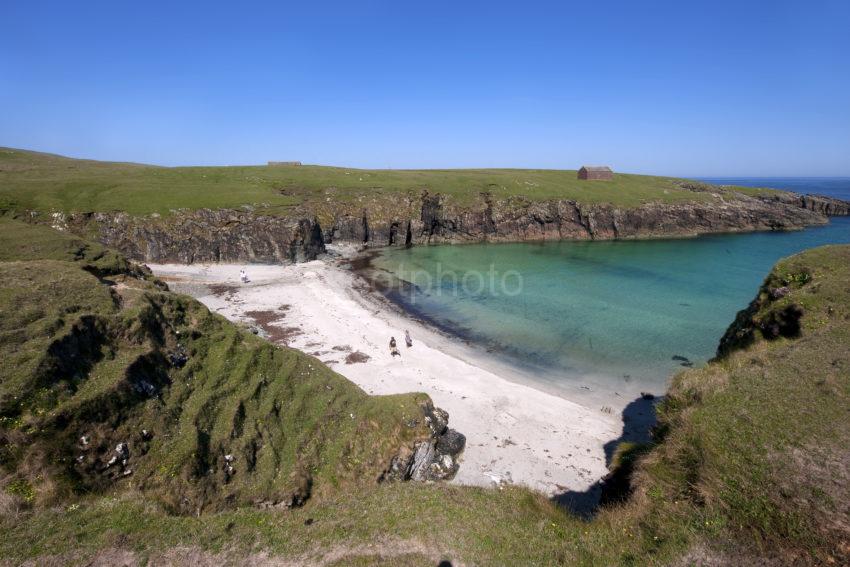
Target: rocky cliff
243,236
817,203
518,219
202,236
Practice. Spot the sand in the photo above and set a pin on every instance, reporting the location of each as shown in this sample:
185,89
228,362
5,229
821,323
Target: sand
515,432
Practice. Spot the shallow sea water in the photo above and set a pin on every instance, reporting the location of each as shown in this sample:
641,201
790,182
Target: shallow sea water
608,317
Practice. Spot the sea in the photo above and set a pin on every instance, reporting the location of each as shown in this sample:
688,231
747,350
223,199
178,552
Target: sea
606,319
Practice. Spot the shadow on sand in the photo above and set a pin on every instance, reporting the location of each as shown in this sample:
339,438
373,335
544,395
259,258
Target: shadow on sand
638,421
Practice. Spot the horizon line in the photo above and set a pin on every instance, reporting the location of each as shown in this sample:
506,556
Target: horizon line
407,168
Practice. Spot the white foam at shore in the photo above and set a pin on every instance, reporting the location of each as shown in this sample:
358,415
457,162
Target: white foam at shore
515,433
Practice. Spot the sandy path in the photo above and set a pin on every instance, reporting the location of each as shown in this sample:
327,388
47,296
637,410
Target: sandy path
515,433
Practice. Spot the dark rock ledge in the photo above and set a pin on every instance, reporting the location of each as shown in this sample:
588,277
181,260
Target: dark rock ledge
250,236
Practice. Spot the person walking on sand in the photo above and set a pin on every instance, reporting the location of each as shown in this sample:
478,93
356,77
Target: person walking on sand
393,348
407,340
243,275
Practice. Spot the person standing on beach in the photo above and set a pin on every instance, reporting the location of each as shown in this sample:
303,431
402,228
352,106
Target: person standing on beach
393,348
407,340
243,275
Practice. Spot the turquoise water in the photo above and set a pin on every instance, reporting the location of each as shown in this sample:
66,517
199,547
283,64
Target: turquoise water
596,316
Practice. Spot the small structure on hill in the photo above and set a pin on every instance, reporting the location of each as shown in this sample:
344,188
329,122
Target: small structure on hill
595,172
289,163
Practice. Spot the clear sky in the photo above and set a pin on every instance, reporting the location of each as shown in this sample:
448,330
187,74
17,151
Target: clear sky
696,88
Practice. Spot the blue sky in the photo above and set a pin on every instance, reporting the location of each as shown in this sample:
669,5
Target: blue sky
678,88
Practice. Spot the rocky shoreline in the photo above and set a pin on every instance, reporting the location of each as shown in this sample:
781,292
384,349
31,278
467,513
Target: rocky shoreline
250,236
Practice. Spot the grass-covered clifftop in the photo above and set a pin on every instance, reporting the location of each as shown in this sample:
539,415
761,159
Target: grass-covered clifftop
111,384
36,181
289,213
751,463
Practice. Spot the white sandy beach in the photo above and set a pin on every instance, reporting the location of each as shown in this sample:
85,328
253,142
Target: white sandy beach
515,433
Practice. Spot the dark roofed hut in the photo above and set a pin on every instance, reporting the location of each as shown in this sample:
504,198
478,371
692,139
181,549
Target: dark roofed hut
595,172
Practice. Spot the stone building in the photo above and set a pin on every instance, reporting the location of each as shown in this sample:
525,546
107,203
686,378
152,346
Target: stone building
595,172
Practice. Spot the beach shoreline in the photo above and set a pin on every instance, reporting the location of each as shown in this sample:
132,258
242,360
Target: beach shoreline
587,387
516,432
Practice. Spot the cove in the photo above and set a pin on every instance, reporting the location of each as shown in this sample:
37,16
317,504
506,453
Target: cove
604,319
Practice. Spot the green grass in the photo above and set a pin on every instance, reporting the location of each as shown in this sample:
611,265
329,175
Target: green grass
79,349
26,242
758,439
427,522
751,463
35,181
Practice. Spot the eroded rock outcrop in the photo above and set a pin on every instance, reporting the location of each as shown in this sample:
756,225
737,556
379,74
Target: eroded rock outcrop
770,315
433,459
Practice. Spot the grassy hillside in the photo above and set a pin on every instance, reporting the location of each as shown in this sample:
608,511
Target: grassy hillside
95,356
30,180
751,462
27,242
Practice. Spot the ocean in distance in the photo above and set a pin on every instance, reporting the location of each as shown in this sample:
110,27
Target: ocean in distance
602,319
838,187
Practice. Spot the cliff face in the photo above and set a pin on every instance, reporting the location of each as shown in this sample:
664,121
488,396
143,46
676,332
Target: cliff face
520,219
203,236
817,203
242,236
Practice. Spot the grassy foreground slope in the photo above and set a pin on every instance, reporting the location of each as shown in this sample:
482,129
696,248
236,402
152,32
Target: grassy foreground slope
751,464
36,181
109,383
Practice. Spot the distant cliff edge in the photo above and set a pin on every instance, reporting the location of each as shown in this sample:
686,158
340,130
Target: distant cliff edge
229,235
